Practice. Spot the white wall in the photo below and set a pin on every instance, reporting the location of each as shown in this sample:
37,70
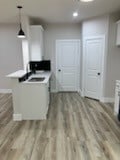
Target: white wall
113,57
54,32
106,25
95,26
10,53
26,41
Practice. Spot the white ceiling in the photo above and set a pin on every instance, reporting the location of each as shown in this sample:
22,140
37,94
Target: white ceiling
56,11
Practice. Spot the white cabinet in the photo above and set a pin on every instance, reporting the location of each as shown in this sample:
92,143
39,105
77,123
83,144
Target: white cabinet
36,43
48,92
118,34
117,98
34,101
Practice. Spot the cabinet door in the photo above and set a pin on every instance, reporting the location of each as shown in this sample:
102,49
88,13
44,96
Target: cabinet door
118,33
48,93
36,43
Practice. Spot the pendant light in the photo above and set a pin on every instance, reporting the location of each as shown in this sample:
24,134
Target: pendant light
21,33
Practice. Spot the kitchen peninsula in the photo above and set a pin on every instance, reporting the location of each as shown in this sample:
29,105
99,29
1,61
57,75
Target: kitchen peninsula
30,95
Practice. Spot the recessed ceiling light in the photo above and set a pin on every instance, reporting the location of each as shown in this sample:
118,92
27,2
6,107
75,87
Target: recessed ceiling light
75,14
86,0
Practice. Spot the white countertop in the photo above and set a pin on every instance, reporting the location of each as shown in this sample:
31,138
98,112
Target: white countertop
21,73
17,74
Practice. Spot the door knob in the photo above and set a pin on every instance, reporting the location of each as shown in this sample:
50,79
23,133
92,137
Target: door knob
59,70
98,74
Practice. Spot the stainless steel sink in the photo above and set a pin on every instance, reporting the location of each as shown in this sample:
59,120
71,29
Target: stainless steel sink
36,79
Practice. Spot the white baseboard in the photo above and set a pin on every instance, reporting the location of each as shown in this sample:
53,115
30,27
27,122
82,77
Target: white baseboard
81,93
5,90
103,99
107,100
17,117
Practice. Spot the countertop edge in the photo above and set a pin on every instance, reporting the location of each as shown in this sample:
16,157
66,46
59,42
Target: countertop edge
17,74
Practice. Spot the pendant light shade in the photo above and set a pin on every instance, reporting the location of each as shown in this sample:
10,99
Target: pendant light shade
21,33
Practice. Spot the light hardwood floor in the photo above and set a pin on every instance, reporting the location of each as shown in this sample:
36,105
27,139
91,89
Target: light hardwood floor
76,129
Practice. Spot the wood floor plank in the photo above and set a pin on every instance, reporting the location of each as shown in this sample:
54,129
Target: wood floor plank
76,128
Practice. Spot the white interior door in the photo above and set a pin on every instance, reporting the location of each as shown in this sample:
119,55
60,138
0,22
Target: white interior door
93,50
67,65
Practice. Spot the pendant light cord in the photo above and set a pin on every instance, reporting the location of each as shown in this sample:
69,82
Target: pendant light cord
20,7
20,17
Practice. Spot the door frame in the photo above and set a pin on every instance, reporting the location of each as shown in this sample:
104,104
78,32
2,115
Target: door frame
103,65
78,61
